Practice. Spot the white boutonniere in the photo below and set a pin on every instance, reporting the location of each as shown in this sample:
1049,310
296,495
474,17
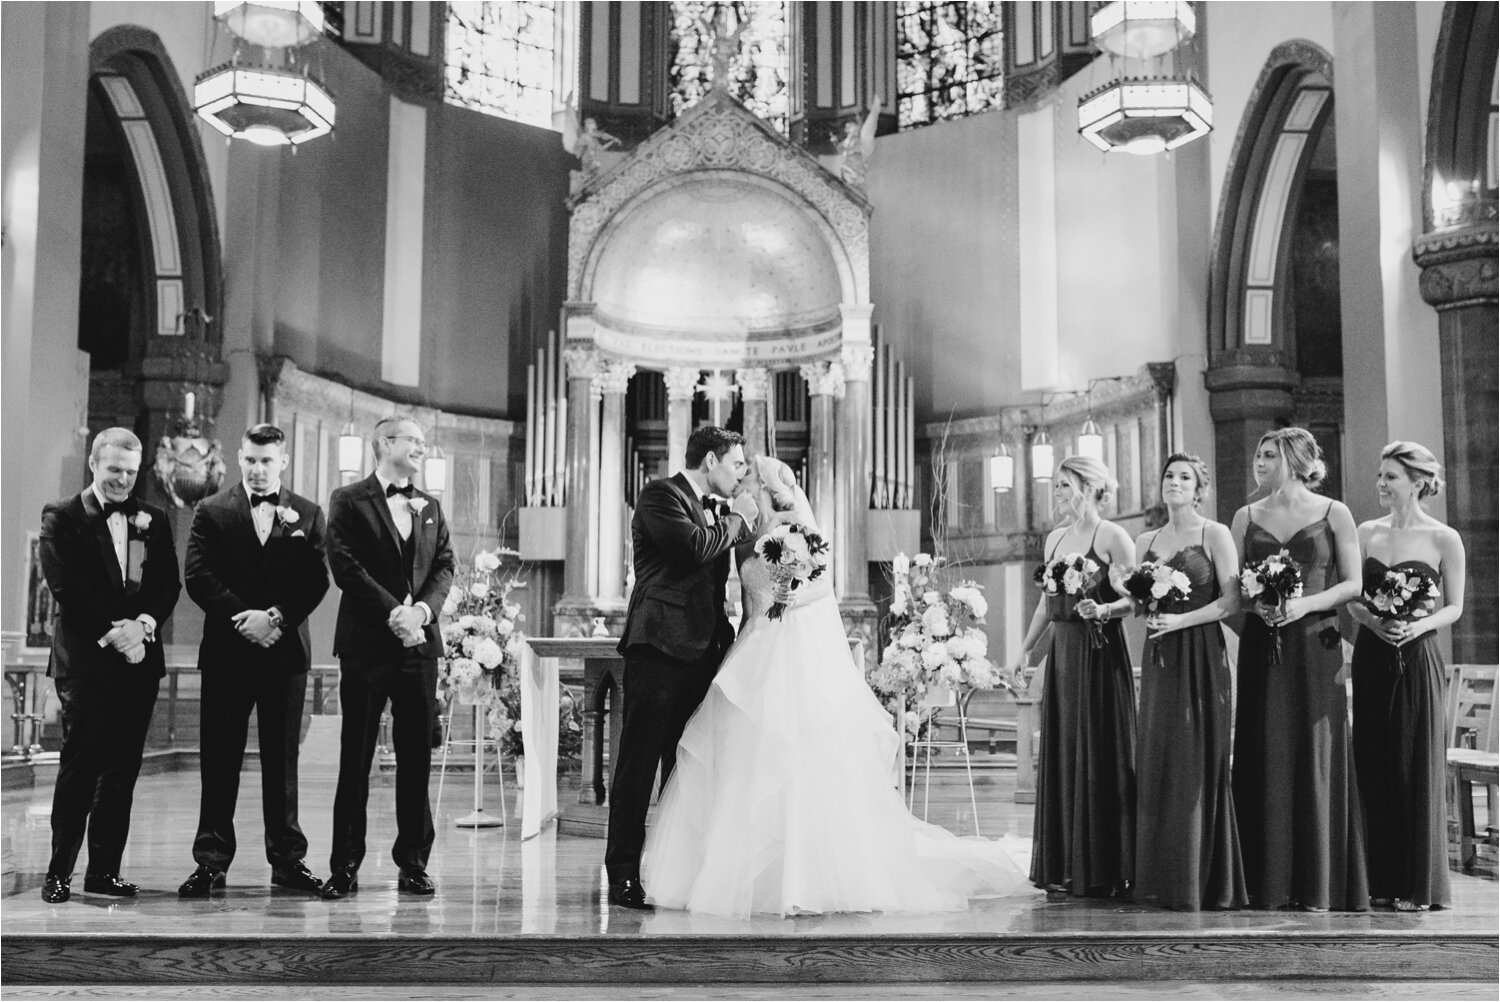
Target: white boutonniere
142,521
416,505
287,514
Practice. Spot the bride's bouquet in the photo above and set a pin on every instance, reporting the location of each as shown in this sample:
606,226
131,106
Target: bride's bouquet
793,555
1073,577
1270,582
1158,587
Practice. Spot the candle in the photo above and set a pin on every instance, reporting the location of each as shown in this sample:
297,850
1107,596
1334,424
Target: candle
187,404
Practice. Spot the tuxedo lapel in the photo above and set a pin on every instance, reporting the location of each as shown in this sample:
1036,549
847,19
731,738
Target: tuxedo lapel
422,554
94,516
690,498
375,498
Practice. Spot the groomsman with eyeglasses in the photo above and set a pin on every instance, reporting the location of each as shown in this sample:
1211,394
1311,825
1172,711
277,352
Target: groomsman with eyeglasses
389,552
255,565
109,562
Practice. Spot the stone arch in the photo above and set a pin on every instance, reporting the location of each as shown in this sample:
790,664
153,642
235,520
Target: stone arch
1254,380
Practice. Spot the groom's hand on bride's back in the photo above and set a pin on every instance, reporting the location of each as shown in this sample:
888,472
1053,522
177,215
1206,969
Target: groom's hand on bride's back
743,504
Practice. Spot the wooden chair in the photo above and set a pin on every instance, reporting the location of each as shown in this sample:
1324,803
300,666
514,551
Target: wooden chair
1472,755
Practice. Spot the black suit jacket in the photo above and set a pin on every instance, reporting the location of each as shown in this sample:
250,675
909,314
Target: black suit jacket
228,571
681,566
78,560
364,553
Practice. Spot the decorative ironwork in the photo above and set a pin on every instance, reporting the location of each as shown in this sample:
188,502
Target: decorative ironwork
500,59
950,61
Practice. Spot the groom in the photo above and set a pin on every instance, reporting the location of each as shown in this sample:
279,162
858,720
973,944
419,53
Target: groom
676,631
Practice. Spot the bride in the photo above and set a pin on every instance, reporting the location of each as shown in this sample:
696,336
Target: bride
782,800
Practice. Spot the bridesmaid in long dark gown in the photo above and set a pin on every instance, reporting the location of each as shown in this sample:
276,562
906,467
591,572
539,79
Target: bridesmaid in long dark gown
1084,835
1399,730
1301,830
1187,844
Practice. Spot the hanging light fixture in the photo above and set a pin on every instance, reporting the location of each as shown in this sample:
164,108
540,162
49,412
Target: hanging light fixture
351,450
1041,456
269,100
435,471
1140,29
1091,440
1002,470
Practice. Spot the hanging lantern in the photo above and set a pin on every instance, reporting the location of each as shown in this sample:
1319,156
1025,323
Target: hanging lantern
1091,440
1145,116
266,105
1002,470
1041,457
274,24
1140,29
351,450
435,472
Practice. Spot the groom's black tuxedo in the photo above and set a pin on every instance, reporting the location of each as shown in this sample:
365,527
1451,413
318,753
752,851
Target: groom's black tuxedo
676,633
377,570
229,571
106,702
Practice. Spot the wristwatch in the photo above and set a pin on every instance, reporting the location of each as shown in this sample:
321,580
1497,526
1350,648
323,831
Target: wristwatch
275,616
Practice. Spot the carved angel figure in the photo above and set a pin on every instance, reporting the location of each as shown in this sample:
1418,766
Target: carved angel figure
858,145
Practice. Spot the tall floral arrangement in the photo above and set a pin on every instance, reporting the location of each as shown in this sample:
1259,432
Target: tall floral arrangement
934,633
482,647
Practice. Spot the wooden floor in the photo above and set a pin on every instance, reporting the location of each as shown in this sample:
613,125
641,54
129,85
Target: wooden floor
509,912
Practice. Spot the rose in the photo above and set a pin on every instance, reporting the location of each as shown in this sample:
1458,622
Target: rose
930,597
488,654
935,621
479,589
921,560
969,595
510,610
1251,582
287,514
1072,581
142,521
504,627
416,505
486,562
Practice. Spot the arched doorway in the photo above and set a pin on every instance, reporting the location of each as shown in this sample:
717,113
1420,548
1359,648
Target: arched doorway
1275,352
150,291
1457,257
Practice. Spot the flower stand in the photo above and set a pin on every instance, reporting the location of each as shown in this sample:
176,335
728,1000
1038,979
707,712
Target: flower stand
936,699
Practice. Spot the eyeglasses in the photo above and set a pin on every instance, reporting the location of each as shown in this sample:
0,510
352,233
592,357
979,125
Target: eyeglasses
414,440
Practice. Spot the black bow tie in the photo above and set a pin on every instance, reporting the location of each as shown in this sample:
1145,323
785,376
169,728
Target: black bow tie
711,503
391,490
126,508
256,500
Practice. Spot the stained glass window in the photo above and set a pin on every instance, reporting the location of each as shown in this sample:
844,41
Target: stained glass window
758,69
950,61
500,59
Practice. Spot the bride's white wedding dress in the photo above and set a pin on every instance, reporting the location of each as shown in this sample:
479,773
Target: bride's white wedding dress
782,800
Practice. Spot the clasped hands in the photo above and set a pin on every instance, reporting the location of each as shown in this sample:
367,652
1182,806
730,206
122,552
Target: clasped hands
256,626
1282,614
407,622
128,636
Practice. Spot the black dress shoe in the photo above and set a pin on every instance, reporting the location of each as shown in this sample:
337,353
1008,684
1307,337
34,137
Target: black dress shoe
203,882
296,876
55,889
108,883
628,893
414,880
341,883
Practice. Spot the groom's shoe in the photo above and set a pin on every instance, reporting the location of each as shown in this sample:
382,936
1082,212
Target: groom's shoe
201,883
628,893
341,883
296,876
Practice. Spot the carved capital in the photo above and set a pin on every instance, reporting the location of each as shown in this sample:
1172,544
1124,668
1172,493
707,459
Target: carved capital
857,359
1458,267
754,383
613,376
582,363
824,378
1163,377
682,383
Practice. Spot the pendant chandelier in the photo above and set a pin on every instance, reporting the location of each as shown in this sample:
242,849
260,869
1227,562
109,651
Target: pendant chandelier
267,93
1156,104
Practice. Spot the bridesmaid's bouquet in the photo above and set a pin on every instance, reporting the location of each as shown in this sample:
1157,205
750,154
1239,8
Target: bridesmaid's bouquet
793,555
1270,582
1403,595
1073,576
1158,587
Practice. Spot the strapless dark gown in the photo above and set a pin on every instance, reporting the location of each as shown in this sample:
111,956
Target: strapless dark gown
1187,852
1301,828
1084,836
1400,751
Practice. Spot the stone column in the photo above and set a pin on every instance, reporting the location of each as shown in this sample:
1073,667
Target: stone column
825,382
611,383
755,390
583,409
682,383
1459,280
853,471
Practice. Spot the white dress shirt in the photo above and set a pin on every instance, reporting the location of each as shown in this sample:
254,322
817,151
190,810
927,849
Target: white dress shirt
119,535
263,515
401,514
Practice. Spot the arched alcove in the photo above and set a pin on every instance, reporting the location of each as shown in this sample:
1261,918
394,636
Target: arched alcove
1275,345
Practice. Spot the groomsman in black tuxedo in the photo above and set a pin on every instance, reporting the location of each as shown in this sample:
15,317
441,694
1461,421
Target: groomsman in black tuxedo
389,552
676,631
255,565
109,562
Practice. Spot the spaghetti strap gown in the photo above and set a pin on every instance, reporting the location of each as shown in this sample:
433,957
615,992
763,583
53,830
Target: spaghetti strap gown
1400,749
1084,835
1301,827
1187,841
